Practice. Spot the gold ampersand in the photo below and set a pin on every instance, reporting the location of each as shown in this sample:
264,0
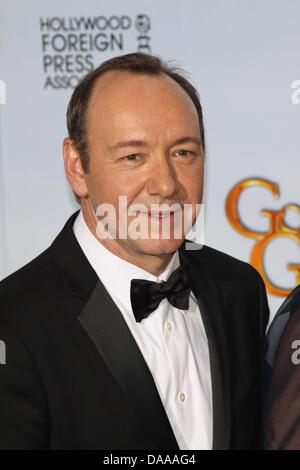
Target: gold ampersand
278,227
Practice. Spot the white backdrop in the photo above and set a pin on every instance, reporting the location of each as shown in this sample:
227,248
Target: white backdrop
243,56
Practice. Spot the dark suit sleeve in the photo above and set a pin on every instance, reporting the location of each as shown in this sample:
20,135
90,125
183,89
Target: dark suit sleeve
282,407
264,316
23,405
263,308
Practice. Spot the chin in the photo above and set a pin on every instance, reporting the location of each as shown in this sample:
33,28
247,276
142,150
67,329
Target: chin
158,247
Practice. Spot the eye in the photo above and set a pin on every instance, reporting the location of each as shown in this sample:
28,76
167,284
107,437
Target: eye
133,157
184,153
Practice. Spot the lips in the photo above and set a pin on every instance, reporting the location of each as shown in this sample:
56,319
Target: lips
160,214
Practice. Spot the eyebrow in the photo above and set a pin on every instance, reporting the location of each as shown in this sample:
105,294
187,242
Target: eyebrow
142,143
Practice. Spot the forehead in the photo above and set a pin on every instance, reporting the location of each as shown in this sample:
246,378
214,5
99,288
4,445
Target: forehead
123,97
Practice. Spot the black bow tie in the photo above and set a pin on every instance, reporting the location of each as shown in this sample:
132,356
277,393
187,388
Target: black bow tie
146,295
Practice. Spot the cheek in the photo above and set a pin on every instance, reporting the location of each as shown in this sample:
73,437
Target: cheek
193,186
126,185
108,186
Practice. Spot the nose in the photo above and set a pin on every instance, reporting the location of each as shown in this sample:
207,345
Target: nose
162,180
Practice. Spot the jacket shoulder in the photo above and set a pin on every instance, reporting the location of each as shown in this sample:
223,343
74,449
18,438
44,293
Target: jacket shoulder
28,289
222,266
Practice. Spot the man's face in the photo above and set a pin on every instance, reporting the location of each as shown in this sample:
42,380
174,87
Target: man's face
144,143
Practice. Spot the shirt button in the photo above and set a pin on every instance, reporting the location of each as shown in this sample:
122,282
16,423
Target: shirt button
182,397
169,325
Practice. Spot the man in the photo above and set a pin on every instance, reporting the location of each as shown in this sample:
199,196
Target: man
135,342
282,404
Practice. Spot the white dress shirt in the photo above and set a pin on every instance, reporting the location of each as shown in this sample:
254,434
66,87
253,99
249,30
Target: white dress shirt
173,342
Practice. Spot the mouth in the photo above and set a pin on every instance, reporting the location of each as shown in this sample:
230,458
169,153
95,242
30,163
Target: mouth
159,215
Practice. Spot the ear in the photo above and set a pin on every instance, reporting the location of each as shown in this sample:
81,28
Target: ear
73,168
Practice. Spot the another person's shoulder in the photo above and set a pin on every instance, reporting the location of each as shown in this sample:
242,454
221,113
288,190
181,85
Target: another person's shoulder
282,379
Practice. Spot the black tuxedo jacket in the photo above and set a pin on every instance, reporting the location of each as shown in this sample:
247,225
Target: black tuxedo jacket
74,377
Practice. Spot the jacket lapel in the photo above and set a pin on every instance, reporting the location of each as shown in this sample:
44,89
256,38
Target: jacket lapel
110,334
208,297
